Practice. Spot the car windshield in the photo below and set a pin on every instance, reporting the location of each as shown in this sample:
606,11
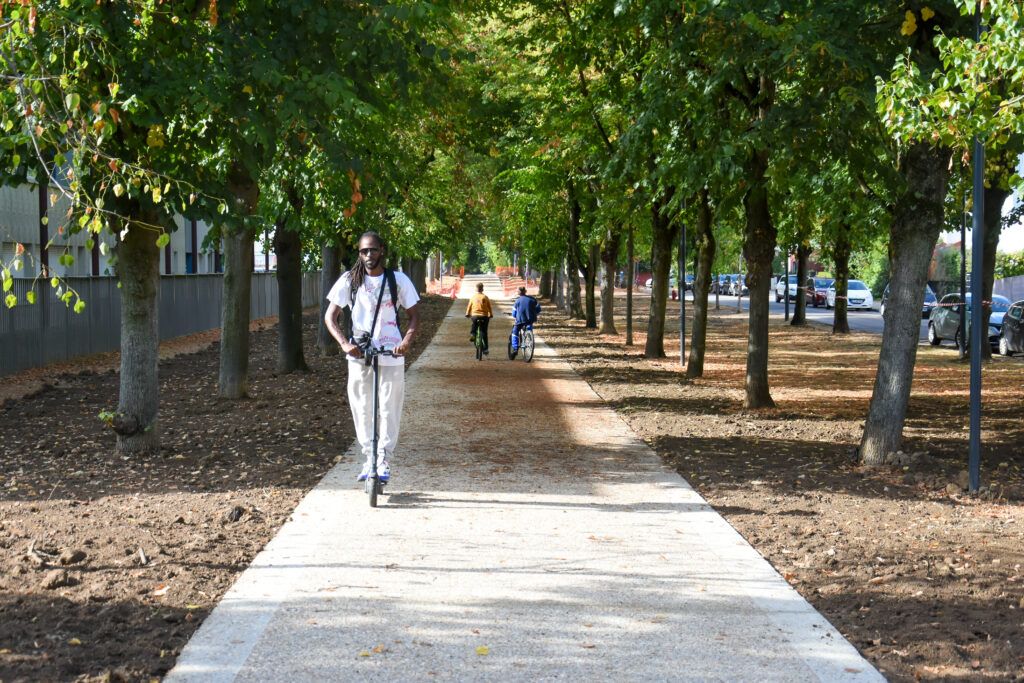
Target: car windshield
856,285
929,295
822,282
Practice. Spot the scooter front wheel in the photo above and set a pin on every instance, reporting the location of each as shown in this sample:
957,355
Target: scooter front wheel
373,488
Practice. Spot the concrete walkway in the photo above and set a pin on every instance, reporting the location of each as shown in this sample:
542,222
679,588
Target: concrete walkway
529,536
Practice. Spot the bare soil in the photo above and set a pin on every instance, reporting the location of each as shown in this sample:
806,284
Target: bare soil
108,564
924,579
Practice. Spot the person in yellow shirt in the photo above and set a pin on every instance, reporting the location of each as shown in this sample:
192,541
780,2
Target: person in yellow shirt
479,311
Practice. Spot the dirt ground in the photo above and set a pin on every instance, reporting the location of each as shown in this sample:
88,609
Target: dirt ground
923,579
109,564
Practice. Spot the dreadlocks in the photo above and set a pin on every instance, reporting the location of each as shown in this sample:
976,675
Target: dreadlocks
358,271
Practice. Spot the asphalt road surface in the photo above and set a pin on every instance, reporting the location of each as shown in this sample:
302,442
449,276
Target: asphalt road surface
861,321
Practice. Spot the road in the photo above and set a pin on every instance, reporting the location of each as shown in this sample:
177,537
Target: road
860,321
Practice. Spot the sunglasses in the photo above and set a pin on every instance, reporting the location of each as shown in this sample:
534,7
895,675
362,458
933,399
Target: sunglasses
369,250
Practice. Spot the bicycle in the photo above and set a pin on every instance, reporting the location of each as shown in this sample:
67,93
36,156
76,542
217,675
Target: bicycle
478,342
373,485
521,340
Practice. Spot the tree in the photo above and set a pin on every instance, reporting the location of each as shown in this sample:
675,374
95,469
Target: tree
91,86
913,106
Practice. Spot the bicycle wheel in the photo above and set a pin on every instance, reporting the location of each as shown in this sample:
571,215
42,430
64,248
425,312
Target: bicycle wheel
479,350
527,346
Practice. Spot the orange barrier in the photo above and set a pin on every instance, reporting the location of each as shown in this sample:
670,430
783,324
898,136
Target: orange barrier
512,285
448,285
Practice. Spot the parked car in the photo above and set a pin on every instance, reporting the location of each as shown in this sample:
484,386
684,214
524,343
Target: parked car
780,288
817,290
944,321
738,287
926,308
857,296
1011,336
721,284
688,282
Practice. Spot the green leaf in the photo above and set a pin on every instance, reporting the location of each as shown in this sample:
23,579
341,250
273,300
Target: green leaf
30,296
163,240
11,301
72,100
8,283
55,282
89,244
104,248
79,306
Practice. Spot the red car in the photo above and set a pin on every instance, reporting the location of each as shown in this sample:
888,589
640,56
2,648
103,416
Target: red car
817,288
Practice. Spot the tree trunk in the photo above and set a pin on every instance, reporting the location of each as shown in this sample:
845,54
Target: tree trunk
544,289
234,331
574,305
417,272
994,199
912,236
803,252
840,320
138,272
593,261
704,240
662,243
288,248
330,271
560,286
759,239
233,382
609,258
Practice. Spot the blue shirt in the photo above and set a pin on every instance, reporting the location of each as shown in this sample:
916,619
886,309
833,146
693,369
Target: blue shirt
526,310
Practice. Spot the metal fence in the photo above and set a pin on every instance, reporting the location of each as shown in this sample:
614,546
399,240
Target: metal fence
48,331
1010,287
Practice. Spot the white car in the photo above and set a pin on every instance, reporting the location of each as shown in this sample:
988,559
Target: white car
780,289
857,296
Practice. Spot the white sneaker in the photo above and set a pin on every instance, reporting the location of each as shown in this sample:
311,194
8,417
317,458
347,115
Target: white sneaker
384,471
365,471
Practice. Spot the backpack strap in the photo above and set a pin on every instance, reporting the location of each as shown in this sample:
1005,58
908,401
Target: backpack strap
389,276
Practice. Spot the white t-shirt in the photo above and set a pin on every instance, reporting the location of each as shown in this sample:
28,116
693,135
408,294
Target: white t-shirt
386,333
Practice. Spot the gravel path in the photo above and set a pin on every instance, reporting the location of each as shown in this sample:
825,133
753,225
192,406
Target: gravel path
529,535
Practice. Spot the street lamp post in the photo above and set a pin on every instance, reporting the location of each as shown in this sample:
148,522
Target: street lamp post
681,287
785,284
978,335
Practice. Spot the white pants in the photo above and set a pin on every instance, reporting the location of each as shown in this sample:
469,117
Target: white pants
360,397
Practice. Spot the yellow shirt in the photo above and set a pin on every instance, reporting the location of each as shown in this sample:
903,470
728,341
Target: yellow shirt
479,305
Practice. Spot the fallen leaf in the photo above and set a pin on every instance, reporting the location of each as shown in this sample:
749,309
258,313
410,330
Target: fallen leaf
483,650
74,641
161,590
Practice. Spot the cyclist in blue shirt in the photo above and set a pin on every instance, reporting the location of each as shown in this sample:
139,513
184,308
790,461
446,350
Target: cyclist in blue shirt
526,309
